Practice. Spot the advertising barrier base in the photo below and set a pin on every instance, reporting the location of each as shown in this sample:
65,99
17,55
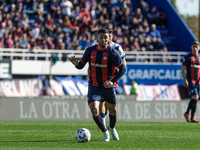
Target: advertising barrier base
75,108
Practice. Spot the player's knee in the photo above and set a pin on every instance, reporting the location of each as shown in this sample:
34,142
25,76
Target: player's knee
195,97
95,112
113,112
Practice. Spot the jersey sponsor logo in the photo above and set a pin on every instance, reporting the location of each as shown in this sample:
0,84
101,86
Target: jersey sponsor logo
98,65
92,56
195,66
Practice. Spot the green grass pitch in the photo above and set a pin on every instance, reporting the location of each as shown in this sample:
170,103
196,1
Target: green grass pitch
37,135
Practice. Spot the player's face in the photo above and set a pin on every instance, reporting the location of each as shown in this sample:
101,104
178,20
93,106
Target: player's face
110,37
103,39
195,49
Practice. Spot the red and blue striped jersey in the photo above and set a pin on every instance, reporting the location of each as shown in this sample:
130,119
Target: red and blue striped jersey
192,64
102,63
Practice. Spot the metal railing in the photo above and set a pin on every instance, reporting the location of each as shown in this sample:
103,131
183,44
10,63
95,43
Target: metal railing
131,56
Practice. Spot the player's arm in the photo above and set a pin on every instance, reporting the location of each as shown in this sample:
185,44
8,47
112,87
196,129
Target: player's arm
120,73
120,65
186,84
124,61
122,54
80,64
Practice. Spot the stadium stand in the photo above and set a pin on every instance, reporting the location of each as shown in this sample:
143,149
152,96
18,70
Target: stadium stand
73,25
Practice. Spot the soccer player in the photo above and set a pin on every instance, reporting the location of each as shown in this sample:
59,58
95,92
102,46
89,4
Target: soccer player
192,80
102,62
118,48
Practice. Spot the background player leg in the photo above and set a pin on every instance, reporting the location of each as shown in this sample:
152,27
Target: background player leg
113,119
102,111
194,100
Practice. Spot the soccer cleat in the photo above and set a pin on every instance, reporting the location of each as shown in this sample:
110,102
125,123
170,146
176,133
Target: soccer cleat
194,120
113,132
187,117
106,136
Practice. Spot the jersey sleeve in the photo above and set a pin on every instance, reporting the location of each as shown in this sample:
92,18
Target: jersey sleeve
121,52
84,59
117,60
86,56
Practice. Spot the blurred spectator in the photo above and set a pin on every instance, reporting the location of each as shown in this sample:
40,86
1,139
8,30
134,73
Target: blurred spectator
18,32
35,31
9,41
94,12
38,6
27,4
138,15
24,19
159,45
66,7
126,17
154,33
162,19
128,4
144,6
67,40
94,27
134,87
50,44
134,23
49,25
152,15
20,7
54,7
147,45
67,25
84,13
1,42
12,8
2,29
40,20
125,44
23,42
76,12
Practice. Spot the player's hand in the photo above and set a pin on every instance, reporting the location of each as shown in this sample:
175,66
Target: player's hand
186,84
108,84
74,60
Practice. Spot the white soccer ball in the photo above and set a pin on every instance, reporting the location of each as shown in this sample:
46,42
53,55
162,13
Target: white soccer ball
83,135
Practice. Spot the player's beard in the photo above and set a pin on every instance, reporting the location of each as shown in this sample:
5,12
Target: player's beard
103,44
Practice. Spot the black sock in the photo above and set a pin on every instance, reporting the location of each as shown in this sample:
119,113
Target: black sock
113,120
102,115
190,105
99,122
193,109
105,113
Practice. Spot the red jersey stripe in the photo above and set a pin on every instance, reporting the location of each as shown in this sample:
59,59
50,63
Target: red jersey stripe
93,68
83,62
120,64
105,69
193,70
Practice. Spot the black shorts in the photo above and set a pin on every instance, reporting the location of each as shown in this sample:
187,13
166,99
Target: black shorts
105,94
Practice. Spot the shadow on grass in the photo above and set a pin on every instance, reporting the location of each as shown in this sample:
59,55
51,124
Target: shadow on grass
67,141
71,141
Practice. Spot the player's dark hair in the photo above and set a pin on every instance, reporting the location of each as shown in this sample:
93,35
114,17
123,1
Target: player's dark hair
195,43
110,31
103,30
